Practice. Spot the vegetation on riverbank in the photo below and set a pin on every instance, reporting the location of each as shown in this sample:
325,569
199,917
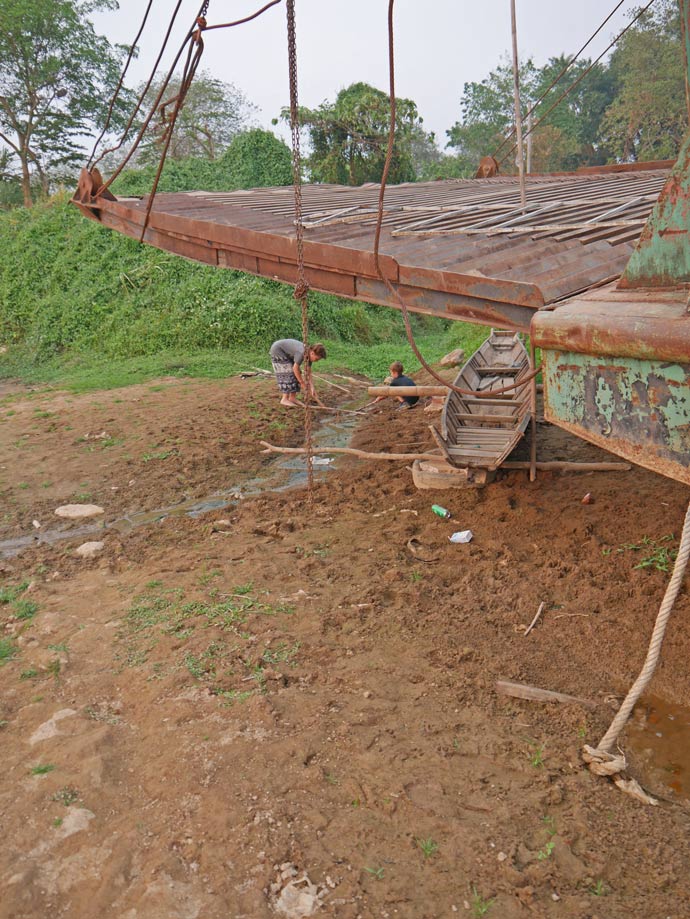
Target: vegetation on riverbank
85,307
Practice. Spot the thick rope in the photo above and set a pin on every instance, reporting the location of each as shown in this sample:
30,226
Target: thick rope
142,96
111,107
189,38
483,394
600,758
302,286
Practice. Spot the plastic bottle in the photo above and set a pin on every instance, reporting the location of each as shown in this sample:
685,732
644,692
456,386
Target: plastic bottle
440,511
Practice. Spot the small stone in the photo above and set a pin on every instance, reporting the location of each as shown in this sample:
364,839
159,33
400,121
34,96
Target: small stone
221,526
457,356
588,498
501,856
90,549
555,897
368,694
78,511
35,524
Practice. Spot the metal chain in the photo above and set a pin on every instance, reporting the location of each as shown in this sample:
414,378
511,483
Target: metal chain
301,287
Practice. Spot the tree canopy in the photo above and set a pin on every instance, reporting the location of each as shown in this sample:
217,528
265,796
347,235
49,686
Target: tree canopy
56,77
630,107
253,159
213,113
349,137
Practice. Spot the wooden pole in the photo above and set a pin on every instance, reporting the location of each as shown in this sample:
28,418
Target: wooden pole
407,390
552,465
536,694
518,113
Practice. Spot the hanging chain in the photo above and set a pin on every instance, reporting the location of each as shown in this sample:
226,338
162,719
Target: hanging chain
301,287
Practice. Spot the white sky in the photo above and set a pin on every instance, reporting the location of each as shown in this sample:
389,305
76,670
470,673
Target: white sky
440,45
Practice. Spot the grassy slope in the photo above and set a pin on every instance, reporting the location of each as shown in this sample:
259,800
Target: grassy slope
87,308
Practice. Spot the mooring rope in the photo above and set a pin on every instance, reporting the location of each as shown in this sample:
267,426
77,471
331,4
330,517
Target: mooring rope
395,293
600,758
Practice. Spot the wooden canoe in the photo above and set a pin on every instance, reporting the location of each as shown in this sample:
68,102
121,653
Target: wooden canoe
478,431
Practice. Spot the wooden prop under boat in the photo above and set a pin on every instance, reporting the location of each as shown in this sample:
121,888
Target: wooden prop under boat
482,432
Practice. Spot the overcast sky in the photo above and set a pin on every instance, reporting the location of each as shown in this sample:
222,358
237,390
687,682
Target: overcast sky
440,45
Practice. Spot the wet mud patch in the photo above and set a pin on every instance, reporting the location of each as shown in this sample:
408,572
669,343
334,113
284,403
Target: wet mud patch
202,716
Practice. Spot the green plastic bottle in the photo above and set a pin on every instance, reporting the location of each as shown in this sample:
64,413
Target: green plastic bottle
440,511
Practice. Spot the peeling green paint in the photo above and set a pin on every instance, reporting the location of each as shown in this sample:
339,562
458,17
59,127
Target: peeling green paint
639,409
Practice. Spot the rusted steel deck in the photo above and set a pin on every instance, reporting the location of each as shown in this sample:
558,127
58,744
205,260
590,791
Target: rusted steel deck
458,249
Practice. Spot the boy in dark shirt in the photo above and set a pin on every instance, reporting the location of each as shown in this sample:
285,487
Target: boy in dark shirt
399,379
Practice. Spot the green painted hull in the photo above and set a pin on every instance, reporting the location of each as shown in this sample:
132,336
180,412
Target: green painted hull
637,409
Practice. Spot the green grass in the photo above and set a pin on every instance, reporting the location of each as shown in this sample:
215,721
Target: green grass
479,905
7,650
85,308
427,846
42,769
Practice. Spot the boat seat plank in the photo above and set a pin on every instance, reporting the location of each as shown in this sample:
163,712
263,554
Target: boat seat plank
497,371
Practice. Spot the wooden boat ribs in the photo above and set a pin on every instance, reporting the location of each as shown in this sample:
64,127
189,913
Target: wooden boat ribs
481,431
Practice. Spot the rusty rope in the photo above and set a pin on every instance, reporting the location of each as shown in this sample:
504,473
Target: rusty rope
194,54
188,38
111,107
559,77
239,22
395,293
142,96
301,286
584,73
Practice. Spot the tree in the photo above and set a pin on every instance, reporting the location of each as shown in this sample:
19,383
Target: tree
488,113
213,113
648,117
56,77
254,158
349,137
257,158
568,137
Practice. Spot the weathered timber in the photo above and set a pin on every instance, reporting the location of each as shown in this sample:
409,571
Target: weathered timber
535,694
407,390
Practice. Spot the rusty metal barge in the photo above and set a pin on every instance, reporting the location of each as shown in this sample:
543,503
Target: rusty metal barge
595,268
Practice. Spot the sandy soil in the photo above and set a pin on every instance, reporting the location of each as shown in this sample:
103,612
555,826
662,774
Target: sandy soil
230,719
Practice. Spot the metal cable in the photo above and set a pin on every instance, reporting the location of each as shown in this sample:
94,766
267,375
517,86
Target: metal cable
484,394
166,81
193,58
239,22
584,73
301,287
119,84
146,88
559,77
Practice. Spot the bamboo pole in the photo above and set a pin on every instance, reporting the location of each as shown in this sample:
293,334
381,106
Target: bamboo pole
552,465
407,390
363,454
516,101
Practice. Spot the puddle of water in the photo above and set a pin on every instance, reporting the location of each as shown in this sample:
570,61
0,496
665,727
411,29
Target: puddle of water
659,736
284,471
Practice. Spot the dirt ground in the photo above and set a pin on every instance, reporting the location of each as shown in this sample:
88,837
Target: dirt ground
276,709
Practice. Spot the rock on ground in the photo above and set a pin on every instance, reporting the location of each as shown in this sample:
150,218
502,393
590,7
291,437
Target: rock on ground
78,511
